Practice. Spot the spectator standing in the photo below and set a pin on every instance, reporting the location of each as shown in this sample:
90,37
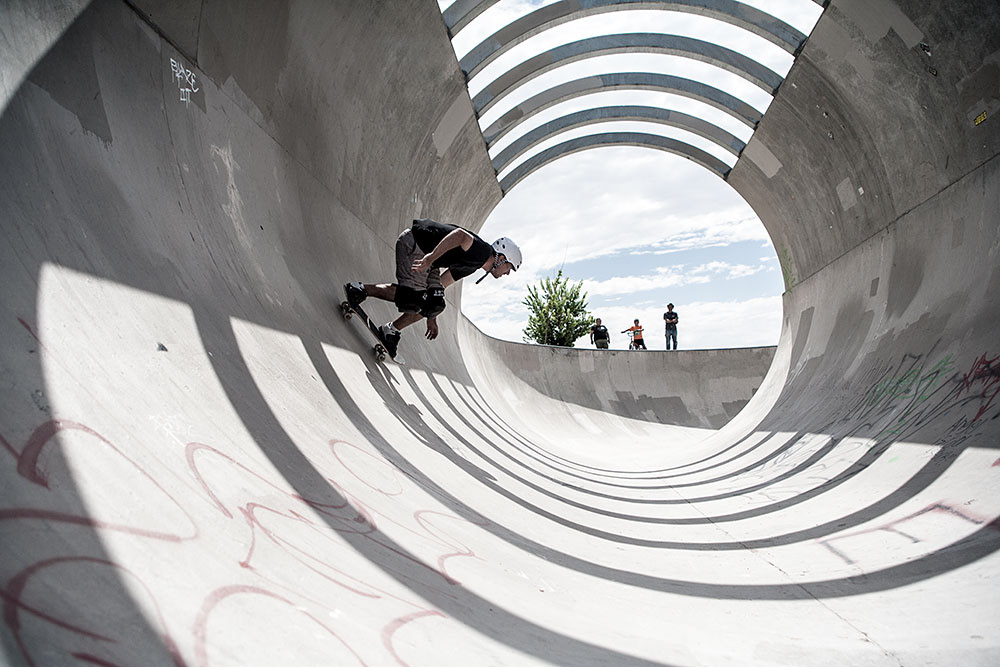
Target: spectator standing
671,319
636,330
599,335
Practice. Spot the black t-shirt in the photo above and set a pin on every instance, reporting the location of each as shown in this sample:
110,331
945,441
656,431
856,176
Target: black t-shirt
600,332
671,325
428,233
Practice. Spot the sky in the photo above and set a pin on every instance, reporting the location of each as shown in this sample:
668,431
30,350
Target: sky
639,227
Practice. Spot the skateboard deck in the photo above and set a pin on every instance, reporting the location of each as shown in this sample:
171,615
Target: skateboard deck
379,348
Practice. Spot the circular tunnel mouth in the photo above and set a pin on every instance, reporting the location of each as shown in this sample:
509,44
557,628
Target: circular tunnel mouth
558,80
261,433
639,229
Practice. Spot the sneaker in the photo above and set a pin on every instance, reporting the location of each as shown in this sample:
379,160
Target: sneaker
390,338
355,292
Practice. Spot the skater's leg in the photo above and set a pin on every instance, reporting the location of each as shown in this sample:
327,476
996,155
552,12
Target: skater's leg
406,319
392,331
384,291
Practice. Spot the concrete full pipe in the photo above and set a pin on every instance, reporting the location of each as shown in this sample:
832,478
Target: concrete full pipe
201,464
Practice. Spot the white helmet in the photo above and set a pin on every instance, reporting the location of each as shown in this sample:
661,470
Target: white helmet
504,246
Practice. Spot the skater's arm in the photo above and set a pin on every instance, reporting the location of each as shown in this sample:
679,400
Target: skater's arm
432,328
455,238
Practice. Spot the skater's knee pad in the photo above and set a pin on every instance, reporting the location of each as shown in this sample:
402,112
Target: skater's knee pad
409,300
434,303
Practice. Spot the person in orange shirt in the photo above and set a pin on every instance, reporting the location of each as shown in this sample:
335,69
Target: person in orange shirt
637,341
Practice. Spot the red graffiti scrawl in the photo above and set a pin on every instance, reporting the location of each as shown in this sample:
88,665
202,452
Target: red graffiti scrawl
983,371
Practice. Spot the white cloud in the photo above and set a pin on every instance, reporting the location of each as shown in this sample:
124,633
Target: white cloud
727,270
605,201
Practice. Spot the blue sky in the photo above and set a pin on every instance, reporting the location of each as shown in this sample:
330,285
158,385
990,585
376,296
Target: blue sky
640,227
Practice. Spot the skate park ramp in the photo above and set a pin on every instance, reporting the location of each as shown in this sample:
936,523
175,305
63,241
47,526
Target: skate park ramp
201,463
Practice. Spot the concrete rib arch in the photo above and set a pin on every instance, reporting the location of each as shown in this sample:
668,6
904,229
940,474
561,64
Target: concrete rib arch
683,121
462,12
593,47
663,83
735,13
639,139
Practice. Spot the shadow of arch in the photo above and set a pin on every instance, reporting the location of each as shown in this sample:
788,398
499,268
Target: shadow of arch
640,139
51,535
396,561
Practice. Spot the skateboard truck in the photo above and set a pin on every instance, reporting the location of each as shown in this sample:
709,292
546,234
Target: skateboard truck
348,311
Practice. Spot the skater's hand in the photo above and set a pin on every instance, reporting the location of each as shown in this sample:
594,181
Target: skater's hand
422,264
432,328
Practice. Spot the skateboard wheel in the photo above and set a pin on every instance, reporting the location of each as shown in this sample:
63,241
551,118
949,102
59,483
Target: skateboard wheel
345,308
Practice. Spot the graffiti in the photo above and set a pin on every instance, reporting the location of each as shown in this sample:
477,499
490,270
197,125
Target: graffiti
220,595
344,512
392,628
787,273
31,468
172,426
830,462
187,81
896,527
286,538
984,372
903,397
799,456
26,603
898,396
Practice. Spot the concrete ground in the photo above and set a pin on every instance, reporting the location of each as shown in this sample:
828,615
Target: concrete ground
201,463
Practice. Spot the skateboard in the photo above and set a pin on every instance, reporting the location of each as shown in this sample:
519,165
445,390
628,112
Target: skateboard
379,348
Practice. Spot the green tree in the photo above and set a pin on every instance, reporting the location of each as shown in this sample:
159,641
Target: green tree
558,312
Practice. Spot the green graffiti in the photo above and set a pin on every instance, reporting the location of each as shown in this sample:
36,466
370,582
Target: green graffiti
915,387
785,260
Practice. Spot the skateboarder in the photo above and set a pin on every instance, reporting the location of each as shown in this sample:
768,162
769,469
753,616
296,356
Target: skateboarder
430,256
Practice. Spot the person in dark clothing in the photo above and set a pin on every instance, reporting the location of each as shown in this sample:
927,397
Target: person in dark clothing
599,335
430,256
671,319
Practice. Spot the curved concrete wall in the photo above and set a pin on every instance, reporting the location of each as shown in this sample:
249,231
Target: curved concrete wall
201,464
693,388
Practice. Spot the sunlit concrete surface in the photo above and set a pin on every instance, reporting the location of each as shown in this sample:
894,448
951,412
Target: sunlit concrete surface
202,464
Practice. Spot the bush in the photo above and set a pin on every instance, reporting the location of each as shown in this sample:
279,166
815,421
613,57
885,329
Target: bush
558,312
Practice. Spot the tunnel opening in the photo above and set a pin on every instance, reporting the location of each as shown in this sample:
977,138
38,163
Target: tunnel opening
202,464
684,99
